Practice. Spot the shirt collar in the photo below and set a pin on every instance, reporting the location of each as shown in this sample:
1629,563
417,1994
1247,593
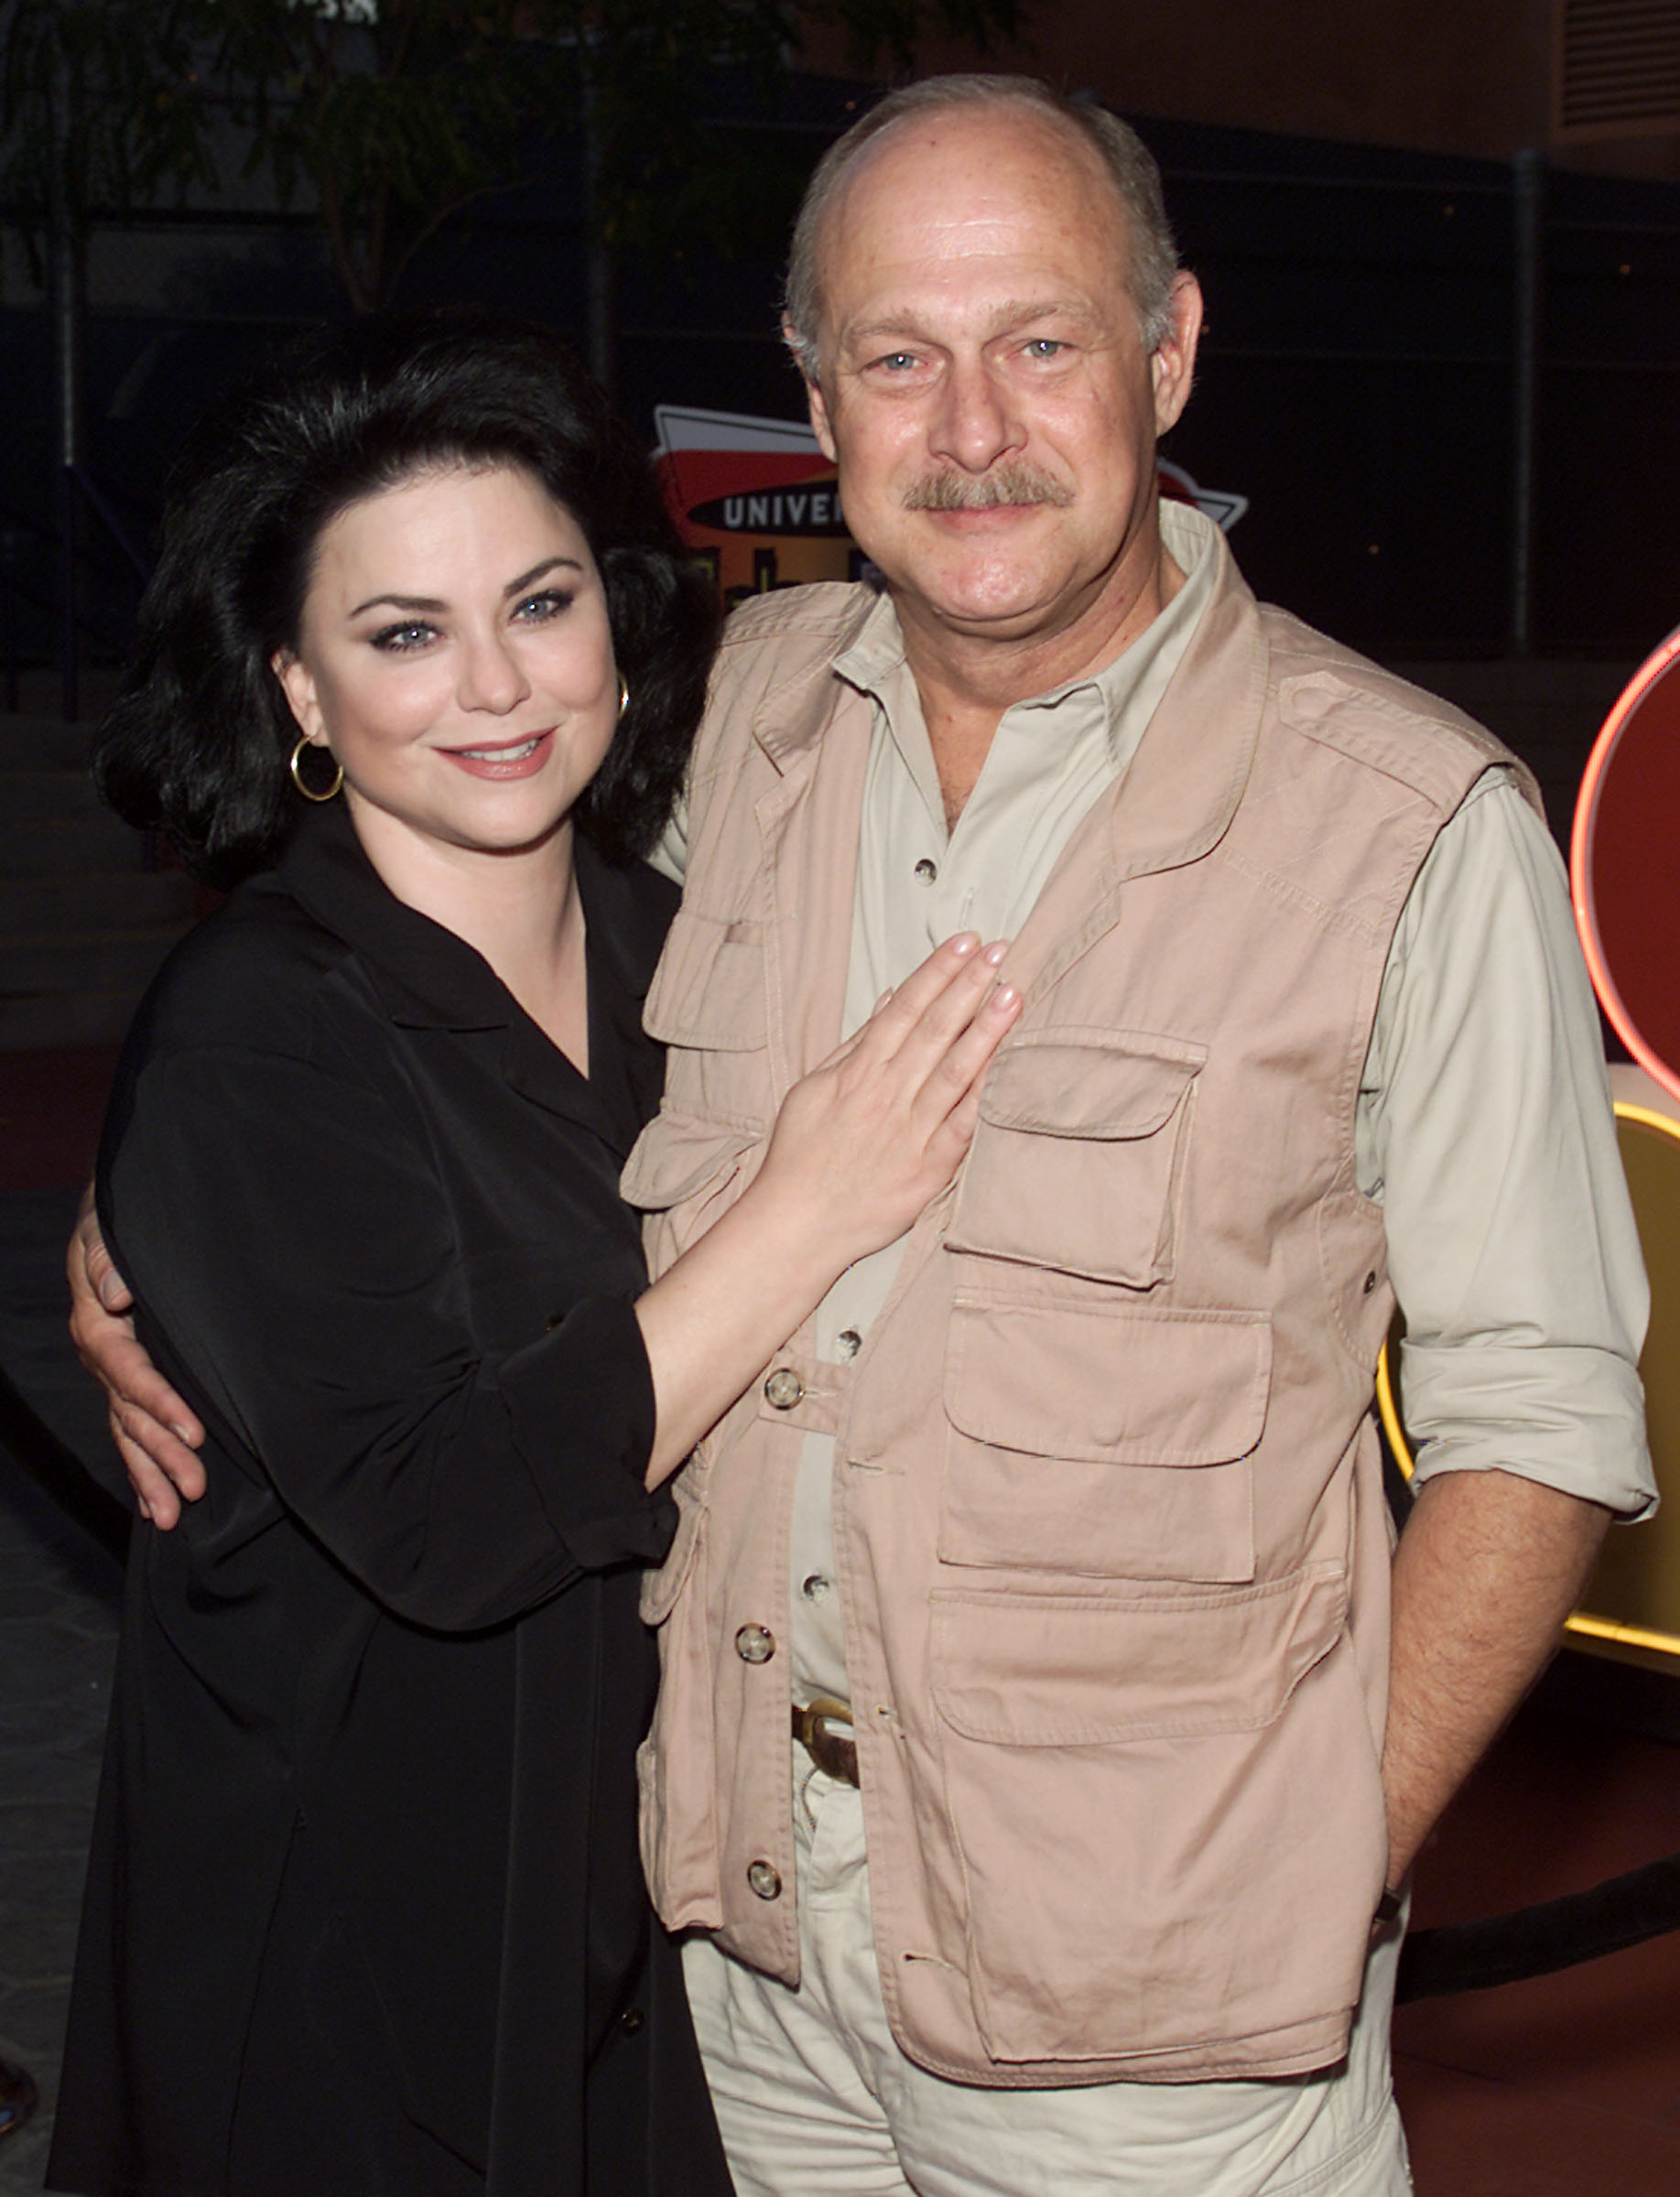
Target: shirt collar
426,977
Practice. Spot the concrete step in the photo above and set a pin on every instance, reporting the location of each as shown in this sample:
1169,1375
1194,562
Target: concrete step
67,846
70,1019
28,795
90,962
45,743
108,900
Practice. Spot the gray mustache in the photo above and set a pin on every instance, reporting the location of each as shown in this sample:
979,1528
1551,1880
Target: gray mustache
1009,484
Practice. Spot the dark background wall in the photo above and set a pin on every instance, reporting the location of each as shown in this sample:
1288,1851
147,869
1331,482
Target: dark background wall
1478,77
1356,380
1359,377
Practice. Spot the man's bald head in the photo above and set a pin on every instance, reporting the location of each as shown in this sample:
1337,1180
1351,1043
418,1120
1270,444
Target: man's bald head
1130,166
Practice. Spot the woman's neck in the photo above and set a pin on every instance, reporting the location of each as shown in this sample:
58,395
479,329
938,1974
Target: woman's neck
520,909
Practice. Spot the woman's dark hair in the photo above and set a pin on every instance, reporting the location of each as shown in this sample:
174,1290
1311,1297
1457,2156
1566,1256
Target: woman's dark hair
196,743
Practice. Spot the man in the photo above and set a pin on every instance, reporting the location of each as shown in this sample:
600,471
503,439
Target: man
1060,1531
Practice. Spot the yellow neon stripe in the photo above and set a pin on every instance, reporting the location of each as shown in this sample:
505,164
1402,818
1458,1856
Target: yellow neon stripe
1627,1111
1390,1414
1631,1636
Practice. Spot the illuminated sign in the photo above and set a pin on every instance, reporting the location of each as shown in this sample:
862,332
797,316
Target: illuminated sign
757,499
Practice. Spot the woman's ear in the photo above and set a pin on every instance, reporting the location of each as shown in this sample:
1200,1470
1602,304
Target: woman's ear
298,686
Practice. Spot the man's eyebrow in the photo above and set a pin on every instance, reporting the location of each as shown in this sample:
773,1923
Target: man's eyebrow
1014,313
429,605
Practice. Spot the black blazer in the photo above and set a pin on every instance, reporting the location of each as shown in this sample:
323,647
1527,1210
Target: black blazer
391,1664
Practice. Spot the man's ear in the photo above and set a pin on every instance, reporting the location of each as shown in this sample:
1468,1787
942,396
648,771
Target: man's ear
298,686
1174,364
813,393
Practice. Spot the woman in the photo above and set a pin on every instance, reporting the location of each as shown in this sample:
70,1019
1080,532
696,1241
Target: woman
419,664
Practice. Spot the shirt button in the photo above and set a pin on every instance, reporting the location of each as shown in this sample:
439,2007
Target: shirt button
763,1882
849,1342
754,1644
784,1389
815,1588
926,871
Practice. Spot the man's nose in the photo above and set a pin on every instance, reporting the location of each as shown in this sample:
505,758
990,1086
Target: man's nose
976,422
491,676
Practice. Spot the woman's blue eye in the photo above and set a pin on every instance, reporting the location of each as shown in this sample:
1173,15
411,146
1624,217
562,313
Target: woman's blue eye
396,638
549,604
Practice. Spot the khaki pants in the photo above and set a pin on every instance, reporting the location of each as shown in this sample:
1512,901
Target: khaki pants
815,2099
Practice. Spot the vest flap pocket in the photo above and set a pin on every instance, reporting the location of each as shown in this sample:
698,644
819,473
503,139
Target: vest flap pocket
1015,1669
1088,1083
1121,1384
1167,1815
1079,1153
1102,1440
676,1155
709,989
661,1586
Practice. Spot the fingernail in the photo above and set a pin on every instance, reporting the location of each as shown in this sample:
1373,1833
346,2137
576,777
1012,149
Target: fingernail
145,1509
965,942
1005,997
997,952
108,1291
183,1432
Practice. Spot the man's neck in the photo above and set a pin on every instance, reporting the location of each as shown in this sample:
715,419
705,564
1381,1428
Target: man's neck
966,682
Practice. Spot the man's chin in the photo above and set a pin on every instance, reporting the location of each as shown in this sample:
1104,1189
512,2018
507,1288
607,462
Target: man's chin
1000,606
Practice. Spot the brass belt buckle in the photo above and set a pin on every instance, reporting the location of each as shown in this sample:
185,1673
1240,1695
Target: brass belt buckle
834,1753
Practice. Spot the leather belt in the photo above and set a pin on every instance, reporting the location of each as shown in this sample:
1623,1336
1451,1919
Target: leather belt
834,1752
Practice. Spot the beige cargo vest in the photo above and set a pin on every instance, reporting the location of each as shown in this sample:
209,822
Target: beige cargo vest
1111,1543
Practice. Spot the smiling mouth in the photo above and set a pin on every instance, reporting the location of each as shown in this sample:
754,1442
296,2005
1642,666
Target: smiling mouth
513,751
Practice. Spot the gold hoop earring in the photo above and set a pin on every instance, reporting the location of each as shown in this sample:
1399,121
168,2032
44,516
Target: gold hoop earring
308,792
623,699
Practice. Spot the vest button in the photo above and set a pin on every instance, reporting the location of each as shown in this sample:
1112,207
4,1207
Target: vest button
763,1882
815,1588
632,2021
754,1644
926,871
784,1389
1368,1283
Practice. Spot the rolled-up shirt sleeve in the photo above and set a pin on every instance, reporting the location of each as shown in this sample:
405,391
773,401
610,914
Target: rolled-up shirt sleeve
289,1245
1485,1128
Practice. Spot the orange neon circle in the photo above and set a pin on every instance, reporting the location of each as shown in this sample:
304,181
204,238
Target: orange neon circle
1581,845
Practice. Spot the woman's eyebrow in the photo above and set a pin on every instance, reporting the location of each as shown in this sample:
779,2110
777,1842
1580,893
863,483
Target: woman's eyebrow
549,564
429,606
428,603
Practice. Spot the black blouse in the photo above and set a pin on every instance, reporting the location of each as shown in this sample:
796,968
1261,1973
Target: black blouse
372,1218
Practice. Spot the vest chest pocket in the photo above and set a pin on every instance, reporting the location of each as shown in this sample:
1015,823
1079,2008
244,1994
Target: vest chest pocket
1102,1440
706,1005
1078,1157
